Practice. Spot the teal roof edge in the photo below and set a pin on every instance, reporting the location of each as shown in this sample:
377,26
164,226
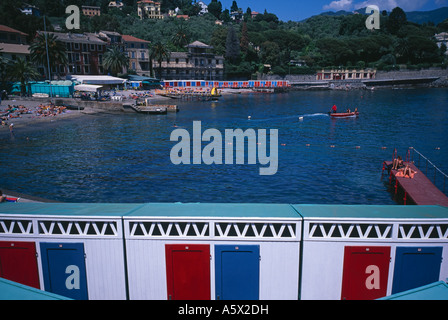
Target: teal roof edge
10,290
248,210
433,291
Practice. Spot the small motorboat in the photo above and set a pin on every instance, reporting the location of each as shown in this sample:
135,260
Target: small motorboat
11,199
344,115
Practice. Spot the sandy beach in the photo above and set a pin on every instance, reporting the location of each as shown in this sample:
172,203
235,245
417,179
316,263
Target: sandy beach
31,119
28,115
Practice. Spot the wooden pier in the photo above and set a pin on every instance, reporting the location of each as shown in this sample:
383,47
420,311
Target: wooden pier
419,189
152,109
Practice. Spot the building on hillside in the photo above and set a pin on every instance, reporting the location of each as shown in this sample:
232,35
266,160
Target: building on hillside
442,39
297,63
116,4
138,52
84,52
30,10
183,16
237,16
13,44
199,63
254,14
148,9
13,52
346,74
204,8
91,11
10,35
111,37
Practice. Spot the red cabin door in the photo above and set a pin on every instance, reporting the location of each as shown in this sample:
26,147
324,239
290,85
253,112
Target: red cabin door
366,270
188,272
18,262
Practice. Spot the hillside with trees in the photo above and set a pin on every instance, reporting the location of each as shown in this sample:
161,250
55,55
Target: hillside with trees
263,43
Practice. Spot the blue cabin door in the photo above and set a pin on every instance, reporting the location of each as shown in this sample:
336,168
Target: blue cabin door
237,272
416,267
64,269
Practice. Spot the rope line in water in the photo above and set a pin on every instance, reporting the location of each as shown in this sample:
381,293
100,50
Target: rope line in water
289,117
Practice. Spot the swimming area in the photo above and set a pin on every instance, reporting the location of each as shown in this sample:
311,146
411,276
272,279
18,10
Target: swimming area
126,158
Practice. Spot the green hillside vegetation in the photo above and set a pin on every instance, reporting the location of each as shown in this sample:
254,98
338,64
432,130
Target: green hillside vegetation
265,43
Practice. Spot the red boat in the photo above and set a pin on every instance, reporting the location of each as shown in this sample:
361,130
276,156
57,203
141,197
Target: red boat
344,115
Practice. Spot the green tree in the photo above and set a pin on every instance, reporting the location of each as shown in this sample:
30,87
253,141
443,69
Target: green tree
115,60
443,26
225,16
244,43
269,53
423,50
353,24
215,8
3,62
334,51
3,67
22,71
180,38
232,45
57,53
218,40
248,14
191,9
402,50
234,6
160,52
396,20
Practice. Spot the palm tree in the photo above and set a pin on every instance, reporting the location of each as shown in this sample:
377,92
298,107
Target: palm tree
159,52
3,61
115,60
22,71
56,51
402,49
180,38
3,65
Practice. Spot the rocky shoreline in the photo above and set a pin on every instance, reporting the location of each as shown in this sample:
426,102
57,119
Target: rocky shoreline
434,78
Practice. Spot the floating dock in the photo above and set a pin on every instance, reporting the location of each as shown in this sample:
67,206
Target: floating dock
419,189
152,109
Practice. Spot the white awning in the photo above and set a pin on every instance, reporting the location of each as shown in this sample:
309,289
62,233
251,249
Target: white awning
87,87
103,80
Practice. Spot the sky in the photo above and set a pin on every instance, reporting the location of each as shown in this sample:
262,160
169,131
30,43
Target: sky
297,10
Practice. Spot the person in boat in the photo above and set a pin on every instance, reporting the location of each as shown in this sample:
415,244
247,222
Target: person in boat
2,197
356,110
334,109
397,163
348,110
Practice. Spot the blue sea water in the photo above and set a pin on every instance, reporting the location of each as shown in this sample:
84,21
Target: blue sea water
126,158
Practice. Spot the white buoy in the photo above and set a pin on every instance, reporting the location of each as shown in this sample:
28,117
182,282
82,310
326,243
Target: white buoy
249,117
301,118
